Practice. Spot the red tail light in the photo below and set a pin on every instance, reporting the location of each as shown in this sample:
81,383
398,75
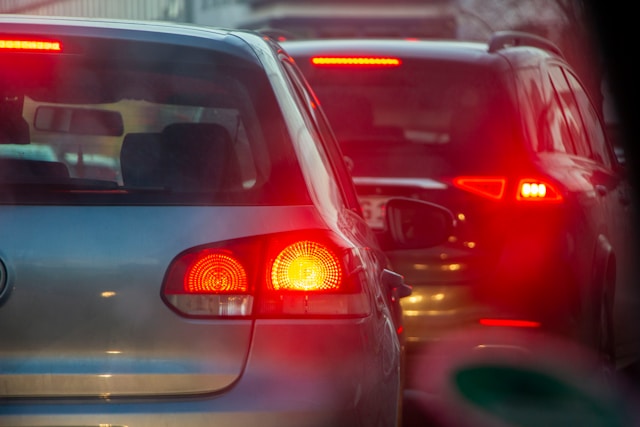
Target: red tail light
491,187
31,45
366,61
536,190
306,266
214,272
514,323
278,275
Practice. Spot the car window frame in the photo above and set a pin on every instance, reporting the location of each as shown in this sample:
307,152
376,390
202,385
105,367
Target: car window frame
328,144
603,146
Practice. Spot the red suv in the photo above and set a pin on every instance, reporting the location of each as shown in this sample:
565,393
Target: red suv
505,135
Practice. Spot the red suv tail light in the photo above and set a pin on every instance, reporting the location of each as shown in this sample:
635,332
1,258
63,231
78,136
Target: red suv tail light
528,190
536,190
288,274
491,187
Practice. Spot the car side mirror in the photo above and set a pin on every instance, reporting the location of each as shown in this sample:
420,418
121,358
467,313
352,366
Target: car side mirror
415,224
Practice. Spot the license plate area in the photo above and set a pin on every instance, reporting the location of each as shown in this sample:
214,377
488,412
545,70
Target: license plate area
373,209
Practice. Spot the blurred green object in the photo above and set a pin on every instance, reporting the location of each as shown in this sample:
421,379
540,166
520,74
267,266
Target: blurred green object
525,397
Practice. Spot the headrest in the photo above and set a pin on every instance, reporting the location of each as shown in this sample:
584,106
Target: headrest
14,131
185,157
201,157
140,160
24,169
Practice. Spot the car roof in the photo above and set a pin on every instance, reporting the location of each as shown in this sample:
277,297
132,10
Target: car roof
404,47
475,52
121,29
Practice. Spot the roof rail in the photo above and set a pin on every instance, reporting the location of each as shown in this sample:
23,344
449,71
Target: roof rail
502,39
277,34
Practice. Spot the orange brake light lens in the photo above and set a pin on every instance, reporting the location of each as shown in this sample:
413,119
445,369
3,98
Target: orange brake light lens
537,190
306,266
355,61
215,272
31,45
491,187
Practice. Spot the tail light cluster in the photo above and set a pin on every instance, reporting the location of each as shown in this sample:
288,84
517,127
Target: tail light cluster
288,274
528,190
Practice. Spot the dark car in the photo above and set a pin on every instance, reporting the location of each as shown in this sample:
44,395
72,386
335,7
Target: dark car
182,243
506,135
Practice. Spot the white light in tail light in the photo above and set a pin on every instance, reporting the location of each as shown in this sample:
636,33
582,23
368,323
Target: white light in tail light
537,190
42,45
355,60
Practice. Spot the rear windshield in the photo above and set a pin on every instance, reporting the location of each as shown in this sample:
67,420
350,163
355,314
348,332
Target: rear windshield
141,124
418,119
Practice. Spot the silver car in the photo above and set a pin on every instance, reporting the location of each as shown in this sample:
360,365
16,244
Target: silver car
191,251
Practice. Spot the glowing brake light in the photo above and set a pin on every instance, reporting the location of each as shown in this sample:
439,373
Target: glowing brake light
297,274
537,190
528,190
42,45
513,323
355,61
491,187
306,266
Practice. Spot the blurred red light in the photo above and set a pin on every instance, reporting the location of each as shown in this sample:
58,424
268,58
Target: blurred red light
491,187
43,45
510,323
537,190
355,61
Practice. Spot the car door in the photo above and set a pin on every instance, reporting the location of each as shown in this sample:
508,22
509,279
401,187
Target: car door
615,188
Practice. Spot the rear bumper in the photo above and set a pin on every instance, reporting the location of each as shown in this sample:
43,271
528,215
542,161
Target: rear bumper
336,373
198,414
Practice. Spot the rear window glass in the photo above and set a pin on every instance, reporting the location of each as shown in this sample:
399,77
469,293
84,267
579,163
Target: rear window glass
142,124
420,118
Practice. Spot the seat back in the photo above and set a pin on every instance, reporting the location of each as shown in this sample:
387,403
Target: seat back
27,169
140,160
200,157
185,157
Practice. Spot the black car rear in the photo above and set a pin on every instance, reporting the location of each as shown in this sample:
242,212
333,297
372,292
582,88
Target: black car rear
503,134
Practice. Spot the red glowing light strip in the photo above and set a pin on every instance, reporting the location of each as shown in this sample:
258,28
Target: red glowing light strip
332,60
492,187
31,45
510,322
